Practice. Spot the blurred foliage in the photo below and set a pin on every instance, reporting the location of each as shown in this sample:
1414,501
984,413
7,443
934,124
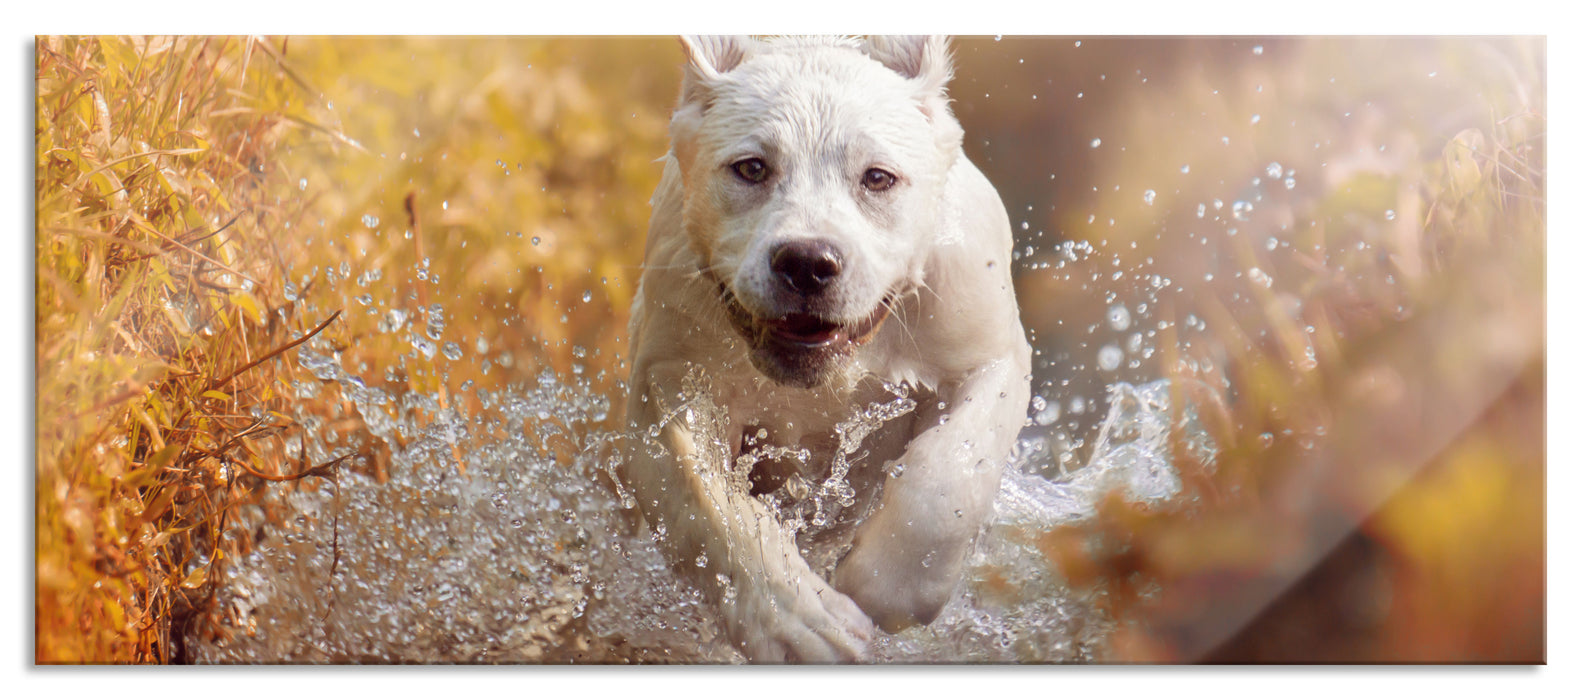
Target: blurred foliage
530,165
1377,383
1350,238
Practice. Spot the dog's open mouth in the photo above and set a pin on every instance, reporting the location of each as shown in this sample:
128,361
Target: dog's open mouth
811,331
803,330
799,348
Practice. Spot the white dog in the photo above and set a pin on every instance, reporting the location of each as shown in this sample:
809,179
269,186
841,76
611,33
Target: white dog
816,189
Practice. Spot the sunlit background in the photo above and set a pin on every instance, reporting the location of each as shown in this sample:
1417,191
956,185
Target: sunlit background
1333,248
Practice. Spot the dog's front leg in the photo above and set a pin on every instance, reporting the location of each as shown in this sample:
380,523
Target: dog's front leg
774,607
908,556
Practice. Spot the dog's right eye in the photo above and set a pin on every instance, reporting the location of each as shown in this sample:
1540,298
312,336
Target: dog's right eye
752,170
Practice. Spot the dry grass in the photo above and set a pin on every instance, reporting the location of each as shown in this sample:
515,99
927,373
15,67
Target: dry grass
153,314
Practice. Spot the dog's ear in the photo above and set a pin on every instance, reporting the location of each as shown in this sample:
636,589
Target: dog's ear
925,61
708,57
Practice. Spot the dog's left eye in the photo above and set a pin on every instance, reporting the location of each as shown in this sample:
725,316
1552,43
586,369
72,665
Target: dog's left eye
751,170
876,180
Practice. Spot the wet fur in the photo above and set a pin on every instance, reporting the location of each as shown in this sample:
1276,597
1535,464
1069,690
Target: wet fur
935,251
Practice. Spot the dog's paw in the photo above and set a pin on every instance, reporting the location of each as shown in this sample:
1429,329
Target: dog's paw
897,594
809,622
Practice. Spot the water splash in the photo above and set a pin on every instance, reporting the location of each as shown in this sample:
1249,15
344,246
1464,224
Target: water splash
1030,614
529,558
1131,454
532,557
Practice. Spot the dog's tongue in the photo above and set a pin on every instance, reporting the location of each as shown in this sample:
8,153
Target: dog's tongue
806,329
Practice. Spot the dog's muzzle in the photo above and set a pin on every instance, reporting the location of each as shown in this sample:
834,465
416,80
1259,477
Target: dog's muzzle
799,349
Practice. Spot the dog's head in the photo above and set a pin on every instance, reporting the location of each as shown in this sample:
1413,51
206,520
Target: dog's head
813,171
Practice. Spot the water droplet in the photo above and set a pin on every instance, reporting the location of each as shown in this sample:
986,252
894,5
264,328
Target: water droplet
452,351
536,239
1389,215
424,346
302,184
395,320
702,560
587,295
1045,412
370,220
1255,119
1119,317
1186,169
436,322
1241,209
1260,278
1095,143
1309,360
1274,170
1257,50
1148,197
1110,357
1134,343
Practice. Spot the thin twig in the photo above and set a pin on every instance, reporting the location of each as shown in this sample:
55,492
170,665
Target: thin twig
325,470
222,382
201,256
194,241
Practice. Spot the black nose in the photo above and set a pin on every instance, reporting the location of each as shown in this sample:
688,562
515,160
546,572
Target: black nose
807,267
